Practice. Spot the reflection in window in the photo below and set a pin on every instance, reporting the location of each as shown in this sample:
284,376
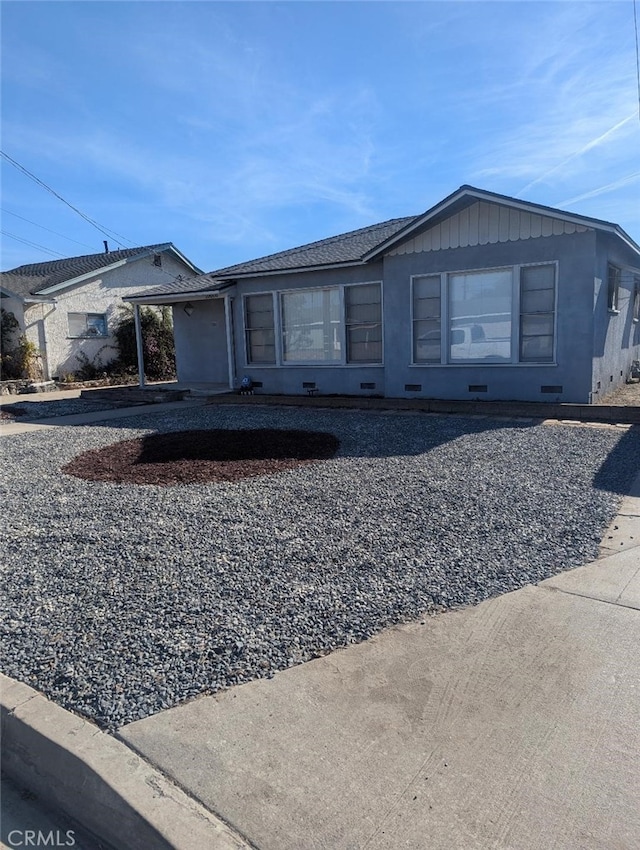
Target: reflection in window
311,326
426,319
363,321
87,324
537,313
480,306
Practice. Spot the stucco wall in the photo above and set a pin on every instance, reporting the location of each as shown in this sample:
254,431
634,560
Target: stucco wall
288,379
574,254
201,342
48,327
616,337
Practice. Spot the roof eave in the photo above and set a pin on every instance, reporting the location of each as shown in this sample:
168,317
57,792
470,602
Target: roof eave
166,246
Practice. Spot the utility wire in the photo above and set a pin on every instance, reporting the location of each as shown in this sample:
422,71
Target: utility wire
635,24
110,233
31,244
42,227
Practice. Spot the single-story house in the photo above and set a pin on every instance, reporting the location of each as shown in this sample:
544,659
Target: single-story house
482,296
71,305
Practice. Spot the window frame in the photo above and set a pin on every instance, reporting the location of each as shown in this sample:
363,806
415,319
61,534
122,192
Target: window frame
445,329
635,298
87,334
247,330
280,362
613,291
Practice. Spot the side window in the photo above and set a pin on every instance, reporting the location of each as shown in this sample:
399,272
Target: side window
259,329
363,321
426,319
613,287
636,298
87,324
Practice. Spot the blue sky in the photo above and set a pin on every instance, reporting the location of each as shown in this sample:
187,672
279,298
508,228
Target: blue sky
238,129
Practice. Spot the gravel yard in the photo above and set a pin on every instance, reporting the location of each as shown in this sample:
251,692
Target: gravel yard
43,409
121,600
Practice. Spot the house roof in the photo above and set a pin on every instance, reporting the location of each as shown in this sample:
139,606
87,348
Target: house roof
367,244
41,278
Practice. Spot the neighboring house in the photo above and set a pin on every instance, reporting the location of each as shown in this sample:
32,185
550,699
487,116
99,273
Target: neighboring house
483,296
70,306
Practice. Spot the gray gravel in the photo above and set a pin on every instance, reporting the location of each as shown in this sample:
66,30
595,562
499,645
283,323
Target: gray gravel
62,407
123,600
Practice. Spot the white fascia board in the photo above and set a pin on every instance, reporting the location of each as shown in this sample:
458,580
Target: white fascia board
183,259
167,246
95,273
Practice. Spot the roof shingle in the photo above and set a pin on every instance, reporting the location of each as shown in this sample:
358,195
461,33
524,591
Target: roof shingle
34,277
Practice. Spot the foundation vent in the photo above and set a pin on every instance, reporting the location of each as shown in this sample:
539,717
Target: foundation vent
367,386
413,388
551,388
478,388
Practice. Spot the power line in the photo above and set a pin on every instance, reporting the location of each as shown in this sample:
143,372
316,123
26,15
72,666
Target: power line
55,232
635,24
32,244
110,233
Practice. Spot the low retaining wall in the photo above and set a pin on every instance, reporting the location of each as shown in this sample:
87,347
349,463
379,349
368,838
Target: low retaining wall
529,410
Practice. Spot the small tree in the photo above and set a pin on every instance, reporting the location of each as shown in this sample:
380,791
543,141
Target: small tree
157,342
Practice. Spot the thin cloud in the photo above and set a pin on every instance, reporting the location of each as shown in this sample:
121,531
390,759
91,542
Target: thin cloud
602,190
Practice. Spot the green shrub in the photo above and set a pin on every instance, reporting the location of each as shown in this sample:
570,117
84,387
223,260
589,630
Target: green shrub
157,342
21,358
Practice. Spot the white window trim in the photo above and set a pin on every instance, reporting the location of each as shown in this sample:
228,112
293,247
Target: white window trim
515,320
614,308
281,363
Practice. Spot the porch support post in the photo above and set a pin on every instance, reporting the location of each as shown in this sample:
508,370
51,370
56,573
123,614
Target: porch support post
229,329
139,348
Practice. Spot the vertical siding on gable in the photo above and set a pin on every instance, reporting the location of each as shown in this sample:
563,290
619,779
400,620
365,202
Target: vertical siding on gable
483,224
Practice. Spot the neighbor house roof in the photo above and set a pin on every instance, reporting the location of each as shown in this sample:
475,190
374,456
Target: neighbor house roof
41,278
359,247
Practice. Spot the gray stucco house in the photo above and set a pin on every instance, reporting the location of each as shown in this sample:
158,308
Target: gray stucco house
482,296
70,305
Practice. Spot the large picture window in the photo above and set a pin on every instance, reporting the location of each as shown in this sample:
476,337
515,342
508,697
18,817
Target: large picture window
259,329
487,316
480,306
337,325
311,326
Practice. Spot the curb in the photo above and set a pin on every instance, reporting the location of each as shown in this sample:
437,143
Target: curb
98,781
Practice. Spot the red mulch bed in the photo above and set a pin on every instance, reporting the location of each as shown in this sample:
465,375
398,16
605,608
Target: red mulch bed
197,457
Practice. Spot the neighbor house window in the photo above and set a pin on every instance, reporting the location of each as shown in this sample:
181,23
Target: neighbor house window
480,305
87,324
486,316
426,319
259,329
537,313
613,287
636,298
363,322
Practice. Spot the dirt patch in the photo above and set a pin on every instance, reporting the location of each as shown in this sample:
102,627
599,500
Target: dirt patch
628,395
196,457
